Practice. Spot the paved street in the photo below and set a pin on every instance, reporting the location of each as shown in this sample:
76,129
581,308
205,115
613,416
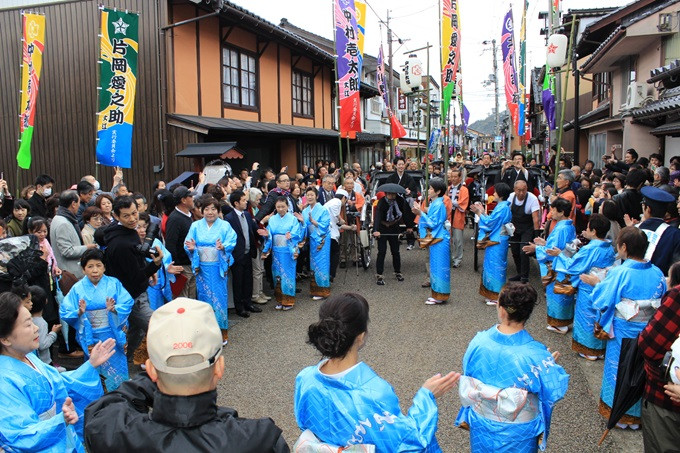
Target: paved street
407,343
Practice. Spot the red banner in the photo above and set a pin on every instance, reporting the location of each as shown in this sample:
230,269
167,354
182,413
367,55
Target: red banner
348,66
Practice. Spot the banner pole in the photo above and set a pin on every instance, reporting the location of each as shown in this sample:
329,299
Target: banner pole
564,101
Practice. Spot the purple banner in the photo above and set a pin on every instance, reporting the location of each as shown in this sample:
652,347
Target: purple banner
509,71
382,83
349,65
465,118
548,99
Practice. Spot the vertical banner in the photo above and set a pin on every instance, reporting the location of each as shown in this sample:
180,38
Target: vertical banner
348,66
522,70
548,98
509,71
118,80
450,52
464,112
33,48
397,129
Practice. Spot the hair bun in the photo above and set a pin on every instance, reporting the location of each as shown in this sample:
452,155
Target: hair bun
328,337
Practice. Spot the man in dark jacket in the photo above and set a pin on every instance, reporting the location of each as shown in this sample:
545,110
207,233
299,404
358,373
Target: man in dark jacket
128,265
629,200
409,184
43,189
388,216
176,229
282,190
174,408
247,239
614,165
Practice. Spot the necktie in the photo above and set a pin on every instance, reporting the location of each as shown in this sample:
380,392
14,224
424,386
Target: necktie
244,228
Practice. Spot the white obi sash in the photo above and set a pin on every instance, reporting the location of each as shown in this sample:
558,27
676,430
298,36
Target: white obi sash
505,405
637,310
599,272
49,413
309,443
207,254
98,318
279,240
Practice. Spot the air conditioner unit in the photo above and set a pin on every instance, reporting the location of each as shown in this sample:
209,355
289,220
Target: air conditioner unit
635,95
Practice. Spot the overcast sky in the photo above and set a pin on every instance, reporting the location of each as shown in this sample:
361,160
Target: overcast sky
417,22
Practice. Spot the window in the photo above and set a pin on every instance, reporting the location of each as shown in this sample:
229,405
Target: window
239,78
601,83
376,105
302,94
597,147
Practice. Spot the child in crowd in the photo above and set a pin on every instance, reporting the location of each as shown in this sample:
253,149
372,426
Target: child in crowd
17,221
98,308
38,227
46,336
20,288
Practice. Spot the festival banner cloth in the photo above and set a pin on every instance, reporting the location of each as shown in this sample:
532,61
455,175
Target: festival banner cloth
548,97
450,52
509,71
522,71
348,66
397,128
33,48
118,80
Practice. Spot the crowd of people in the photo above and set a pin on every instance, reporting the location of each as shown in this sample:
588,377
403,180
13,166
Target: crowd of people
121,282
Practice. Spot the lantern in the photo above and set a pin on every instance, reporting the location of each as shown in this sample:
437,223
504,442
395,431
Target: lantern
411,75
556,52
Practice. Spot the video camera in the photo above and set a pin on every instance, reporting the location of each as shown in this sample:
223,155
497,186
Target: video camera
146,248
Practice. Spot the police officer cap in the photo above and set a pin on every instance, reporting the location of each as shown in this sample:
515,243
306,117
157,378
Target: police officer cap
655,194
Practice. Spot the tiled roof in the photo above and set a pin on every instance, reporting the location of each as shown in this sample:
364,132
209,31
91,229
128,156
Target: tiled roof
586,118
664,72
658,108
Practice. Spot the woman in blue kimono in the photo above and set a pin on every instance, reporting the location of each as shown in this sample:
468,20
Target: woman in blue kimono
560,306
510,381
343,402
494,235
433,234
593,258
209,243
626,299
285,234
41,410
97,307
318,223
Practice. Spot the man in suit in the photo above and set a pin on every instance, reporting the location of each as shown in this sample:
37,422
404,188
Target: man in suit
247,238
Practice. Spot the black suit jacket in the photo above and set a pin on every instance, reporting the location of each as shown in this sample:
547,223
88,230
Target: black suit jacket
238,252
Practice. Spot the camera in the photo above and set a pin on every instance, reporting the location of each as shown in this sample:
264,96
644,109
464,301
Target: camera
146,248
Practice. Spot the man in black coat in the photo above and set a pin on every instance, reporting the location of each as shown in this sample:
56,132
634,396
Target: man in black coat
282,190
173,408
409,184
176,229
247,240
43,190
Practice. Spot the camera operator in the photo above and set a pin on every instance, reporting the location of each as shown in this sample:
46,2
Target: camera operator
660,413
126,260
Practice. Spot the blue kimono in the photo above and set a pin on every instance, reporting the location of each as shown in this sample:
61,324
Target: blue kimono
509,388
440,253
319,249
495,256
211,265
285,253
99,324
362,408
626,300
161,292
596,256
560,306
31,419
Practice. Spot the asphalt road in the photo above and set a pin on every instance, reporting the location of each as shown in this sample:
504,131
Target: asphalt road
407,343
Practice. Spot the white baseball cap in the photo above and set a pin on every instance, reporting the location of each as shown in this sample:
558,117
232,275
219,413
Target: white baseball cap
183,327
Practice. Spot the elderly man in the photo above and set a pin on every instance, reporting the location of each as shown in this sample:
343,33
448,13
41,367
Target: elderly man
460,199
327,189
526,219
67,242
353,206
662,177
565,178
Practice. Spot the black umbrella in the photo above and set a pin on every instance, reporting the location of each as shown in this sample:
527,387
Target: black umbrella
630,382
391,188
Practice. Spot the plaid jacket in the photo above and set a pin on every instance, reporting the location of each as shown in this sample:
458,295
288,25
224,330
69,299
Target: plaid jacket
654,341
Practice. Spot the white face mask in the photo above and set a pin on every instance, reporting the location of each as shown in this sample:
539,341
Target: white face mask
96,185
47,192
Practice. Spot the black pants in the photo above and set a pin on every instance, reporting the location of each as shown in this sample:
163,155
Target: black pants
268,269
382,251
242,282
520,258
335,257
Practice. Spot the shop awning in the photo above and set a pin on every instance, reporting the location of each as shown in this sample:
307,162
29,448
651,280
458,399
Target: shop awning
223,150
206,124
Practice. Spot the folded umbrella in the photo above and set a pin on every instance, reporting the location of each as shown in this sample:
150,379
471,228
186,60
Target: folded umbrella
630,382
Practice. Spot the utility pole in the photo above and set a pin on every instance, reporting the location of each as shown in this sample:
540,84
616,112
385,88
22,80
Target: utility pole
390,80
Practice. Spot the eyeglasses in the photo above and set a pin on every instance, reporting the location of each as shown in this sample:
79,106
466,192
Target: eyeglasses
284,180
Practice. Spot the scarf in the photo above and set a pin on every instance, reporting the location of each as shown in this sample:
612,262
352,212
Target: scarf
71,217
393,212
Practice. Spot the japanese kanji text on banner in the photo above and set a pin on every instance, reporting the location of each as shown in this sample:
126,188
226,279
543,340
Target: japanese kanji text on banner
349,66
118,79
34,45
450,52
